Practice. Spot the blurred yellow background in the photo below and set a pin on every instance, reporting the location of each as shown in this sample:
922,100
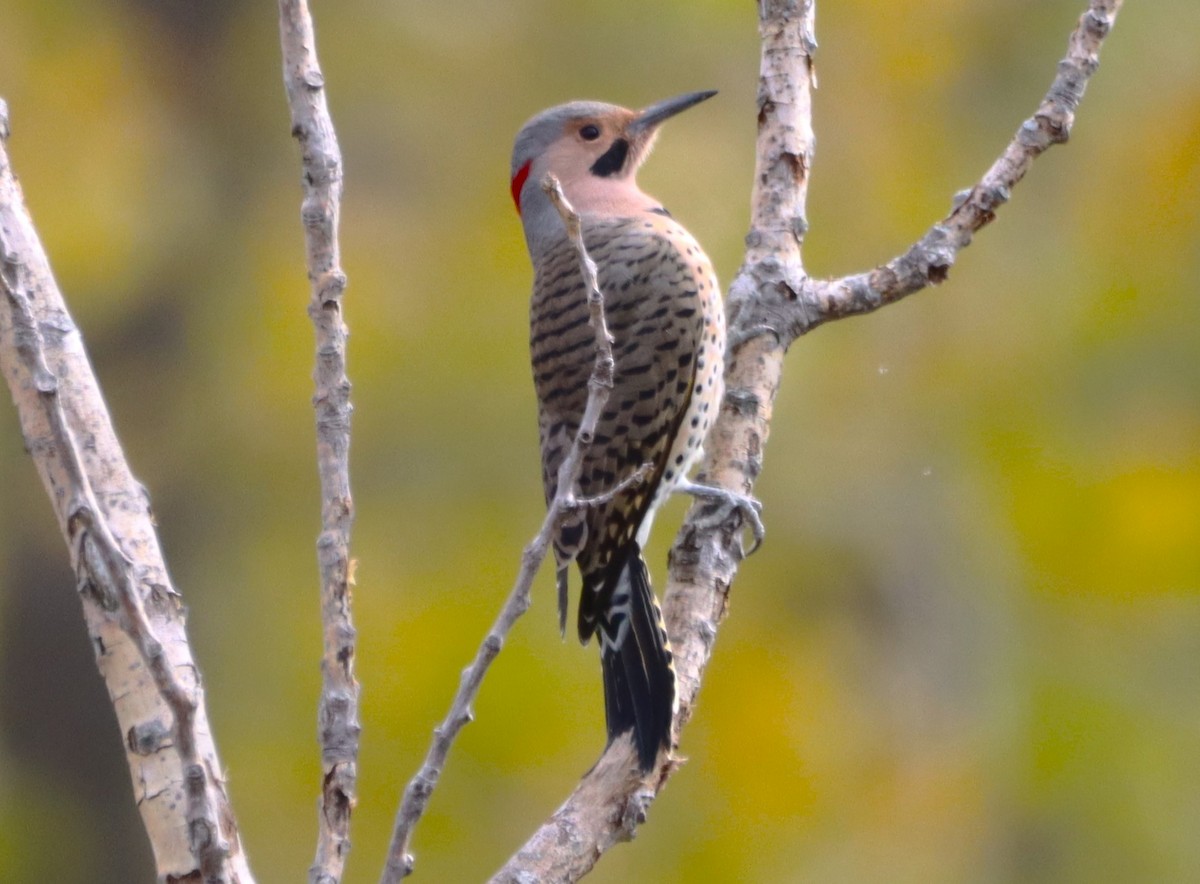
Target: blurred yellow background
969,649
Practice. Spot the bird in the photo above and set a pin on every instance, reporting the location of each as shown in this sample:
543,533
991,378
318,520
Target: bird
664,312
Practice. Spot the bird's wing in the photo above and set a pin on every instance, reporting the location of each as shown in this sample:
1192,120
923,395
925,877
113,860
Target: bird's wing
652,311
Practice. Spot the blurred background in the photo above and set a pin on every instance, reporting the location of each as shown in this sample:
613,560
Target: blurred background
969,648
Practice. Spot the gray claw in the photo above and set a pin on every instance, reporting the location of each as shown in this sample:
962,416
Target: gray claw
749,508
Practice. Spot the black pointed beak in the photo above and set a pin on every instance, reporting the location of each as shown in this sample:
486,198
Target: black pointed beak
650,118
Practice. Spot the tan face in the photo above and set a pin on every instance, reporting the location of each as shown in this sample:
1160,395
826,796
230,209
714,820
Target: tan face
586,141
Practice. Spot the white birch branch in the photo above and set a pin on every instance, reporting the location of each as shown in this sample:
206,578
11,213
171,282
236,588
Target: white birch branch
134,616
337,717
770,304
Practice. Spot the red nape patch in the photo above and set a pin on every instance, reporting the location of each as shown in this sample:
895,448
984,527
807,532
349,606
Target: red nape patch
519,181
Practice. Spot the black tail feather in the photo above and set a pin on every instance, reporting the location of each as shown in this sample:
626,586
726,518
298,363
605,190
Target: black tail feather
639,672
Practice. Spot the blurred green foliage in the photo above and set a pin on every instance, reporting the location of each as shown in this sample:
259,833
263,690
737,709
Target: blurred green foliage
968,650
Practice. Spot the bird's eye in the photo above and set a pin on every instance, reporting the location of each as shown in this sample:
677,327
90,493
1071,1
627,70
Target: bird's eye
589,132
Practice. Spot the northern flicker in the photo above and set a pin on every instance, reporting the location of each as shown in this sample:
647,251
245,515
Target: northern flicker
664,312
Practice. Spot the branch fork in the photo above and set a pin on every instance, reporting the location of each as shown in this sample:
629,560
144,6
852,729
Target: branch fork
772,302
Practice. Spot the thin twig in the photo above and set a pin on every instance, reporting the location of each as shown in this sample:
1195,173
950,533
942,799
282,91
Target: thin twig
110,581
609,803
420,788
637,477
337,716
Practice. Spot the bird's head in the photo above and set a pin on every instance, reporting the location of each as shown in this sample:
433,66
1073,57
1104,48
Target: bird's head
593,148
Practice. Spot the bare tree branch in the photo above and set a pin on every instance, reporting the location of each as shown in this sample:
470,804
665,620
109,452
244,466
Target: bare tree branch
770,303
420,788
794,310
338,724
134,615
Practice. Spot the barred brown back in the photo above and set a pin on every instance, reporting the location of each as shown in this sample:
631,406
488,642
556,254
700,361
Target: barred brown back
659,299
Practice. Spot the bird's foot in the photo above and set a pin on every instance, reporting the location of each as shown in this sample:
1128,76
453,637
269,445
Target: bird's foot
727,502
